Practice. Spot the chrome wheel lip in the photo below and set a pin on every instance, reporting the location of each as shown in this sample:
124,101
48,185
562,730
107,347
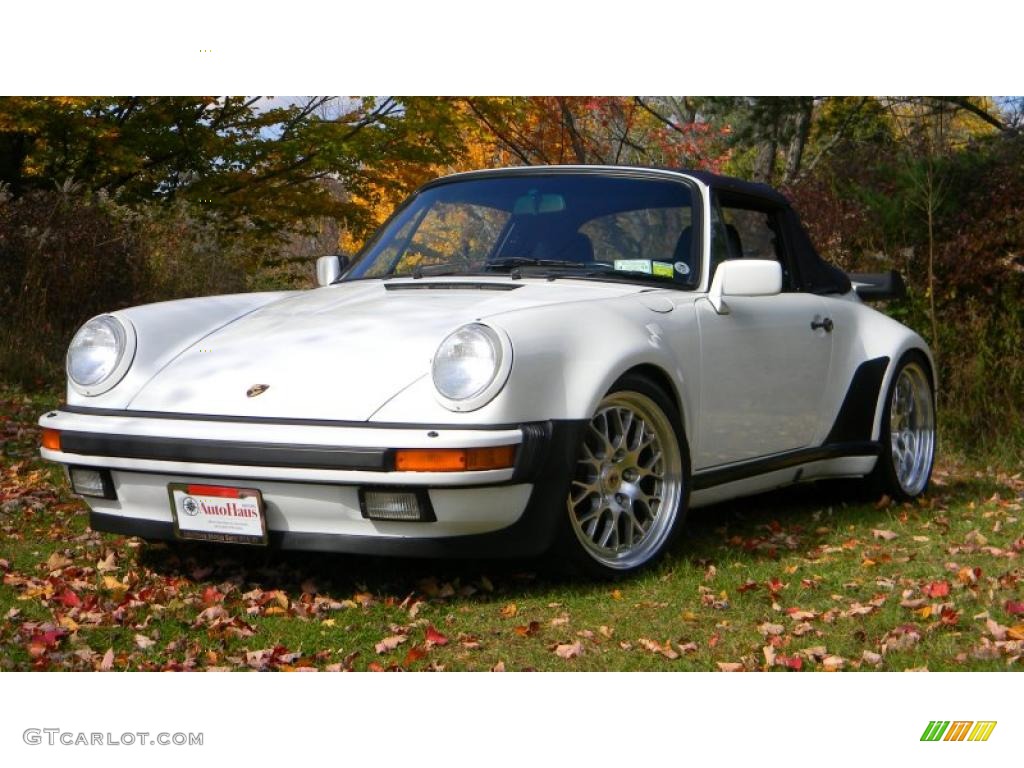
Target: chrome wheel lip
912,428
627,486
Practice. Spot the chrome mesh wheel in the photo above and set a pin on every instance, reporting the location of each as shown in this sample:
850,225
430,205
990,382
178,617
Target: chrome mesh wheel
912,428
627,487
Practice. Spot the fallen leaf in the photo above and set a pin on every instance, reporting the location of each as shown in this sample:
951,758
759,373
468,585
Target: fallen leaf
499,667
113,585
569,650
949,617
883,534
528,630
936,589
769,655
143,642
798,615
768,628
414,654
833,663
56,561
870,657
968,575
900,639
509,610
1014,607
792,662
389,643
997,630
108,661
729,666
654,647
107,564
434,637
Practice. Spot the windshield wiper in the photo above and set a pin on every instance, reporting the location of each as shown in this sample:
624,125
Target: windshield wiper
514,262
435,270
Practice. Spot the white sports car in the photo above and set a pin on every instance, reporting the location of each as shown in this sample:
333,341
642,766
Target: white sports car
525,360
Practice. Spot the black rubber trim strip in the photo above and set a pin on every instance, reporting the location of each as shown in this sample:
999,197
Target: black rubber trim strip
531,453
709,478
453,286
226,452
856,416
86,410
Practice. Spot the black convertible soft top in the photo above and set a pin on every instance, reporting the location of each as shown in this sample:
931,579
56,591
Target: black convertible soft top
815,275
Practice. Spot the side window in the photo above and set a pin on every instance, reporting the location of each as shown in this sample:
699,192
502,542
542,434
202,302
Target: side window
751,233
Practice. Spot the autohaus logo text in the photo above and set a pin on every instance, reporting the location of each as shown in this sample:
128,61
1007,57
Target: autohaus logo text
958,730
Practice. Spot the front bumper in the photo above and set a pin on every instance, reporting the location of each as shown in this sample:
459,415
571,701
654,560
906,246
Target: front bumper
310,473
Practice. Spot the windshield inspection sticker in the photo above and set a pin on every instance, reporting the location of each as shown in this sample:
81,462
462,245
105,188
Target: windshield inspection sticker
633,265
682,268
662,269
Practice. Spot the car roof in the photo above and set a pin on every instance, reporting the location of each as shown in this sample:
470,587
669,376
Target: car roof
716,181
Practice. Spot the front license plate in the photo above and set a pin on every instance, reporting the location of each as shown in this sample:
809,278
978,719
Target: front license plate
218,513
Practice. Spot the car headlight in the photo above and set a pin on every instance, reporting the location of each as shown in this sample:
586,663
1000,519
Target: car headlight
100,354
471,366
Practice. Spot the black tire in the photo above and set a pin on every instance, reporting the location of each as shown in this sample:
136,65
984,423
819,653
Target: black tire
885,479
622,481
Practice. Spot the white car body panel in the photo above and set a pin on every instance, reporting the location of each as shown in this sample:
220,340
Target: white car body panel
350,365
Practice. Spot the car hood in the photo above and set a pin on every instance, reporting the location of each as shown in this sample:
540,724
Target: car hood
343,351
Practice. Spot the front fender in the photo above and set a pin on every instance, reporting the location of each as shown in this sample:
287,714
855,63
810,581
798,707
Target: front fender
166,329
565,359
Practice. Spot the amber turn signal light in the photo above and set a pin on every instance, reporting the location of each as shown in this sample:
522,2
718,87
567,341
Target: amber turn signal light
455,459
51,439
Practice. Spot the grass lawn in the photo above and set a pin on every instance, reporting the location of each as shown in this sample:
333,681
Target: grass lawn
802,579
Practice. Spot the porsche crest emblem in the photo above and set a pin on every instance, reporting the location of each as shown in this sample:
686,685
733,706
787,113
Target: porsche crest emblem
256,389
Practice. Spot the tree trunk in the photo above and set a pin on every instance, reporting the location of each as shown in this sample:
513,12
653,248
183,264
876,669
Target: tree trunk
764,163
801,130
574,135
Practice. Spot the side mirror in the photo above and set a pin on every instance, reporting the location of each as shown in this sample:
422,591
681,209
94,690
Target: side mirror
329,268
744,277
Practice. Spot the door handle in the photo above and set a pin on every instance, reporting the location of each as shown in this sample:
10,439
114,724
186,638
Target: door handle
826,324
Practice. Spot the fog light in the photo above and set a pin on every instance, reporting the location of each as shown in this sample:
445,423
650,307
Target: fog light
92,482
405,506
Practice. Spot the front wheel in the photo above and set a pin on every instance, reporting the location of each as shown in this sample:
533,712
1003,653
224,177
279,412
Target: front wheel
629,490
908,431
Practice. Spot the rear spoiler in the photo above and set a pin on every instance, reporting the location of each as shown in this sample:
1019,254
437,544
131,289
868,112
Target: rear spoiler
879,286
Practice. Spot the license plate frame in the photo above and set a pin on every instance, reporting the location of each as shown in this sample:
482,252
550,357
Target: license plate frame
231,525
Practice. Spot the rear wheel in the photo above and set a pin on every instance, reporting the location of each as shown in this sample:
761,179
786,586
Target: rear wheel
907,432
629,490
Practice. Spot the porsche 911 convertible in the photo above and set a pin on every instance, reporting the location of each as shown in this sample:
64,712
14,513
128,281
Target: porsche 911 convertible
522,361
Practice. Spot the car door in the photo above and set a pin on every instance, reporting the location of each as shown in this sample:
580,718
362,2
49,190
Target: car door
765,364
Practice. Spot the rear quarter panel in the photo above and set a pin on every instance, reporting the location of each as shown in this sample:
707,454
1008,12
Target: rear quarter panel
863,333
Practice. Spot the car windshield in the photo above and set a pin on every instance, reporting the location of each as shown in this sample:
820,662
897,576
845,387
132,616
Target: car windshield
586,225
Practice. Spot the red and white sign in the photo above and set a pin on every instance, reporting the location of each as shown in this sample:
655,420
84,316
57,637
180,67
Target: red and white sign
218,513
